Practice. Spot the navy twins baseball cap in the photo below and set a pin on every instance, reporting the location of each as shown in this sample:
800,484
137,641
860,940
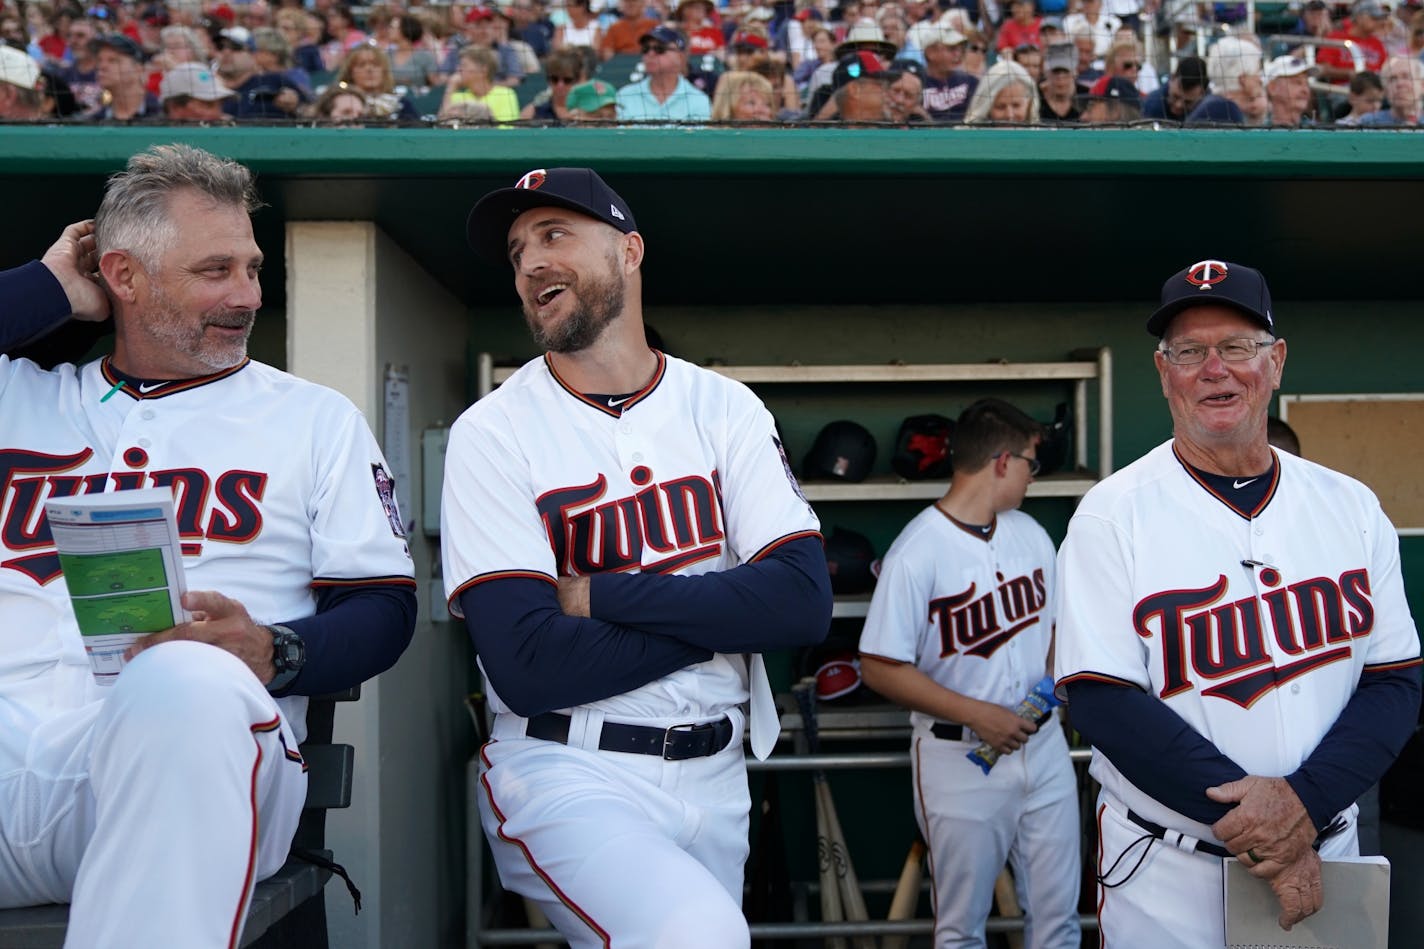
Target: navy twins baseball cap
1218,282
577,189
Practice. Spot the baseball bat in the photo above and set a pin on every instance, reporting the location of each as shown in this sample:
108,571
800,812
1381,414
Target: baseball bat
852,899
1008,900
831,911
907,893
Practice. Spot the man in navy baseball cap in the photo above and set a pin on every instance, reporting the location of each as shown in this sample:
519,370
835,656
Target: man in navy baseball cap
576,189
1218,282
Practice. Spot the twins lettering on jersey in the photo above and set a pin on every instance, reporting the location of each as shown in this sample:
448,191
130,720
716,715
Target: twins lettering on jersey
216,508
1219,642
590,533
978,625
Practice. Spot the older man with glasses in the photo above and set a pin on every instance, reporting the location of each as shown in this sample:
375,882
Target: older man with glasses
664,95
1233,639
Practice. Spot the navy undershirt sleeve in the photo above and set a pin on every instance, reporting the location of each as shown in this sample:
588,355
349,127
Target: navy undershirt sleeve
539,659
1140,735
781,601
32,303
1361,745
356,633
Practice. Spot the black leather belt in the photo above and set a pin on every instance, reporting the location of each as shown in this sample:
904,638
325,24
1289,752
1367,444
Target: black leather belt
949,731
674,743
1160,832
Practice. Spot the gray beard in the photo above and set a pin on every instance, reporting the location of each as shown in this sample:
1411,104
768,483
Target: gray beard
600,303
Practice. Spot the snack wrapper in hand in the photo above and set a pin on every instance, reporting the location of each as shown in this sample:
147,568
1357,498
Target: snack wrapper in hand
1037,706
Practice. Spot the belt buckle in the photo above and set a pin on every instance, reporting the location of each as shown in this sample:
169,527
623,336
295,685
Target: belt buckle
688,727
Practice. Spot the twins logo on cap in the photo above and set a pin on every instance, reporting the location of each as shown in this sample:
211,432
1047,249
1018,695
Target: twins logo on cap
532,180
1205,273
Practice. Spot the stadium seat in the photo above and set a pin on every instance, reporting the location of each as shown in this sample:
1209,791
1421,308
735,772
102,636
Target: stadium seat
618,71
532,84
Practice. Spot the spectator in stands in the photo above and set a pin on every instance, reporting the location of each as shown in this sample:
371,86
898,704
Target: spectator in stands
82,73
1128,13
368,69
976,53
1031,59
1415,46
530,25
664,94
260,95
743,96
1021,28
563,69
1058,93
865,34
1184,89
1367,18
823,42
302,30
785,97
1238,93
1288,91
121,76
594,100
273,55
1403,78
625,35
694,20
340,105
1315,20
1087,68
858,90
580,26
1118,103
1366,95
190,92
905,93
1007,95
1098,24
1123,61
176,44
948,88
345,35
413,63
21,95
481,32
505,37
473,81
793,36
893,25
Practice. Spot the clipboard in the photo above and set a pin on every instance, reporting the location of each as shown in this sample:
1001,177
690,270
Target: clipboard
1355,914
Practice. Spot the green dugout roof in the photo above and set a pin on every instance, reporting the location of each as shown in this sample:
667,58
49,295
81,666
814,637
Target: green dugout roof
825,215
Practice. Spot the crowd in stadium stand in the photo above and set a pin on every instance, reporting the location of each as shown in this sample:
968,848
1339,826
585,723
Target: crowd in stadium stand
1278,63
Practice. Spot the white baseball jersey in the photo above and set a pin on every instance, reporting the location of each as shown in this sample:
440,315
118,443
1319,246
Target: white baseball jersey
1255,631
280,489
972,613
688,478
277,488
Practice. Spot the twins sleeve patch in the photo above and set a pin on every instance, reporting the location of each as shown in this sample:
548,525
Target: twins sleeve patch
386,491
786,465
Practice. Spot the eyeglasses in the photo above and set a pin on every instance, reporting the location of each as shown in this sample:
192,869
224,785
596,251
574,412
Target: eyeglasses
1237,349
975,48
658,48
565,80
1130,65
1033,465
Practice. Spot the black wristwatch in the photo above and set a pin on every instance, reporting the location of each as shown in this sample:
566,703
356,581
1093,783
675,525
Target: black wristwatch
289,654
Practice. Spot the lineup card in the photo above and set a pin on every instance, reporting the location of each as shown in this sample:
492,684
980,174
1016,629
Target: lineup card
123,565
